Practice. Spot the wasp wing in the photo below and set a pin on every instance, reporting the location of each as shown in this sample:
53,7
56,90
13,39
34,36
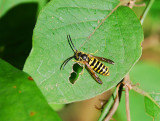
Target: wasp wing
103,59
92,73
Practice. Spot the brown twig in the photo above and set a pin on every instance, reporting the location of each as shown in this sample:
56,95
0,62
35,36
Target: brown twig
127,103
115,104
113,110
140,5
128,86
132,4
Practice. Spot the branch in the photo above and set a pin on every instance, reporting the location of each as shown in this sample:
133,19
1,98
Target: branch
128,86
113,110
112,105
132,4
107,107
146,11
127,103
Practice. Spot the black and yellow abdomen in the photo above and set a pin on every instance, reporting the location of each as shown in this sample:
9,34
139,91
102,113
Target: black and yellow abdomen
98,67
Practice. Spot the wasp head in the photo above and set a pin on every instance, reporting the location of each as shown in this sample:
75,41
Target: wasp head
77,55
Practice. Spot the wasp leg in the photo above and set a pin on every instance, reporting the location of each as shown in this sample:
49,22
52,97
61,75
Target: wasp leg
76,61
94,52
104,59
93,74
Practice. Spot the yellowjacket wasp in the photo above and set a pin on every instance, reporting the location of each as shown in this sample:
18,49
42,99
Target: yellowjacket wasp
92,63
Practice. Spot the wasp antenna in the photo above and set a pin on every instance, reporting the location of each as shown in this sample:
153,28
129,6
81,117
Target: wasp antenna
71,43
65,62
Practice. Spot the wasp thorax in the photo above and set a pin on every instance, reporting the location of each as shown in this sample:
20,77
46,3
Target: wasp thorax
81,56
84,57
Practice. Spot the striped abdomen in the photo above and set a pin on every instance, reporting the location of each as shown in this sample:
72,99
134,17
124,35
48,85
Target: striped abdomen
98,67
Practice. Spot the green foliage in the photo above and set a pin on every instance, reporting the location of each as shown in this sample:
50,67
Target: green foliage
20,99
155,10
147,75
152,107
6,5
117,39
137,108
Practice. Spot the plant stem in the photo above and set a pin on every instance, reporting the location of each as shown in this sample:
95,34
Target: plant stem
146,11
127,103
145,94
113,109
107,107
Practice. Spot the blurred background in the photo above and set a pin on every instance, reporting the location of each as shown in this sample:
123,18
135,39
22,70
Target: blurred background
16,29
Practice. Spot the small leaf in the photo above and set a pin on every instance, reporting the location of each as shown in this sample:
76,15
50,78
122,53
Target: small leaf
152,108
137,112
118,39
20,99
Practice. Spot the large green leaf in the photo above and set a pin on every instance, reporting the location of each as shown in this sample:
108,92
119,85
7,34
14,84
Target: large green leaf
20,99
118,38
6,5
